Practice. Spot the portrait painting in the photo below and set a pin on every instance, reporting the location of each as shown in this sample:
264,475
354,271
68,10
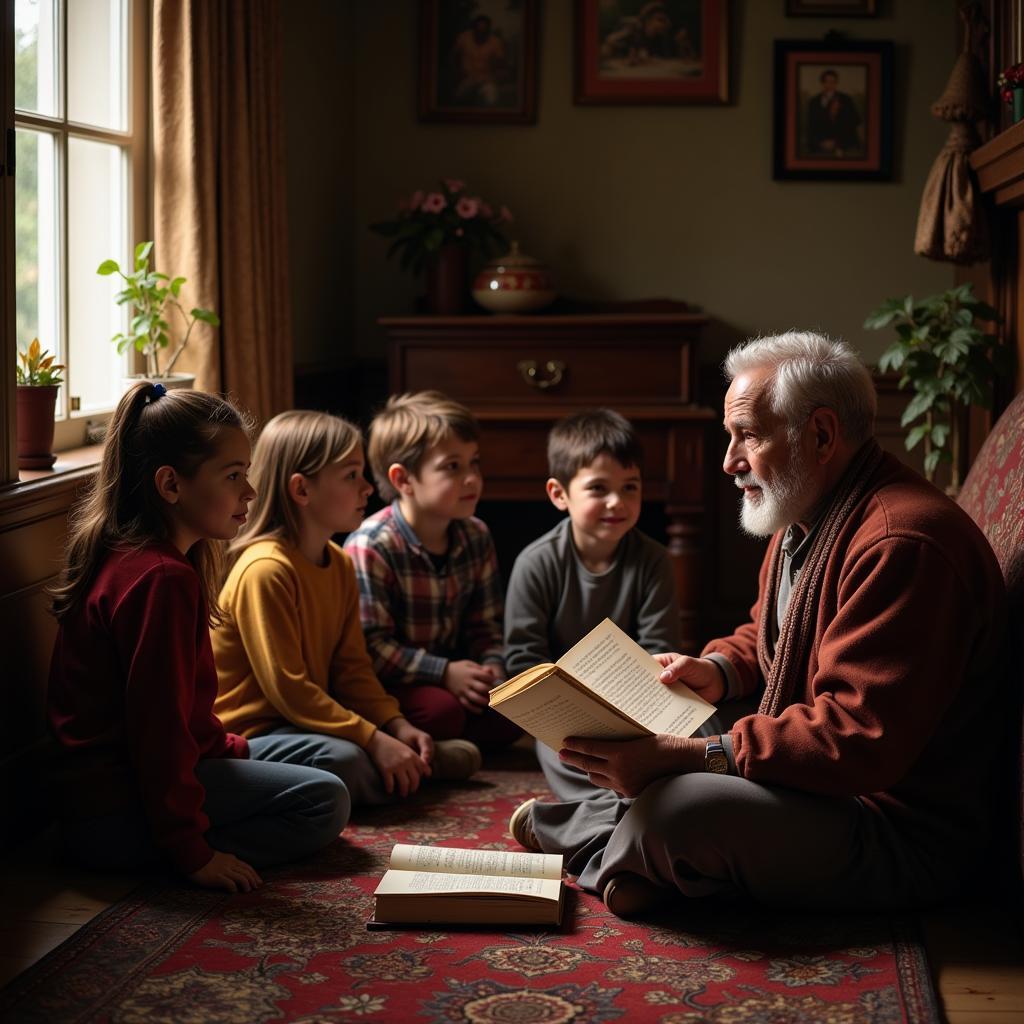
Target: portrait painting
651,51
478,61
833,117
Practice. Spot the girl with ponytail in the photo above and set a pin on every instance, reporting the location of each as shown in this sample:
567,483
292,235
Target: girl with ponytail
145,771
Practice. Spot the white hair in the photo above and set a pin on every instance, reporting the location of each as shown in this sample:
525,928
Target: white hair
810,371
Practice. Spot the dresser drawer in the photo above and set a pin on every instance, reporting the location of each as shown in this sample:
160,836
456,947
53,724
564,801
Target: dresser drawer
534,369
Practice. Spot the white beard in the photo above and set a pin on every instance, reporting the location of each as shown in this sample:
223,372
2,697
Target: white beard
781,501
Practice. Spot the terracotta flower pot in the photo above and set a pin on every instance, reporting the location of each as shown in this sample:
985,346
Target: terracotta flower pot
35,409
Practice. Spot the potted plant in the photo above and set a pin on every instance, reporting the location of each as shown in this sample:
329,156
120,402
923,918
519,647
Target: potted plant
948,360
38,379
437,232
148,294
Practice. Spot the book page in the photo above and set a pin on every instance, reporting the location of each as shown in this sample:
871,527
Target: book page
451,860
554,708
622,672
409,883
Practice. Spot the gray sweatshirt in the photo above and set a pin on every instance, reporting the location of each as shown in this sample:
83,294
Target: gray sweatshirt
553,600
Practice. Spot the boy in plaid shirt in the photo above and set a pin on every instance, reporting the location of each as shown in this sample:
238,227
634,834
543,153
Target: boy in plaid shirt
430,592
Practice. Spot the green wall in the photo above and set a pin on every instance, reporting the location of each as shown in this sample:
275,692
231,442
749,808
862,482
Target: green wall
622,202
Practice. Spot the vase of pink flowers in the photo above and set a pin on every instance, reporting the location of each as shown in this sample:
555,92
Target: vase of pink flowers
1011,89
439,233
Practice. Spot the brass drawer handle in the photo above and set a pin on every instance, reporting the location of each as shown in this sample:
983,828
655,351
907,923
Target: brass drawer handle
553,367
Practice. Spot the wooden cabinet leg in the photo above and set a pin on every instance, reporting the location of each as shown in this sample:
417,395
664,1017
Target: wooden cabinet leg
684,530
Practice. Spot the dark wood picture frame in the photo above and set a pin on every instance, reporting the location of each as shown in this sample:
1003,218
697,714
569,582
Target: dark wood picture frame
833,110
616,64
831,8
510,96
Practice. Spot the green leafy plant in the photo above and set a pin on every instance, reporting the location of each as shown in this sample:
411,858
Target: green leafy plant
948,360
428,220
36,367
149,293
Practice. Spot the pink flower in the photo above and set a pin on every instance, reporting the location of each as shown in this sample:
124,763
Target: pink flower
467,207
504,215
417,200
434,203
453,184
485,210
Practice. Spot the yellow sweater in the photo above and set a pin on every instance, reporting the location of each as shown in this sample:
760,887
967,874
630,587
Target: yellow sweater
291,650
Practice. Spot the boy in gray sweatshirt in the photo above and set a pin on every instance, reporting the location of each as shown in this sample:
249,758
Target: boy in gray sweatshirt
595,563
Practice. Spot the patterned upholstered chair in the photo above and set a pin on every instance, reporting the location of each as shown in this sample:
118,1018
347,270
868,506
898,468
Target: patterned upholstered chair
993,496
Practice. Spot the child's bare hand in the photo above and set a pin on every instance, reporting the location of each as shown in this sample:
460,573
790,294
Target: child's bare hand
226,871
399,765
405,732
700,674
470,682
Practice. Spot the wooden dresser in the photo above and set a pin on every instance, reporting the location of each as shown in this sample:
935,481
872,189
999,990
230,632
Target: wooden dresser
519,374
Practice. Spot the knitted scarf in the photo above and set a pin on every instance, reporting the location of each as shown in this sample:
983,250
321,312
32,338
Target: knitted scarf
784,671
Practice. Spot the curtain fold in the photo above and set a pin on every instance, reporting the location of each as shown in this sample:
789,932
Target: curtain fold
219,191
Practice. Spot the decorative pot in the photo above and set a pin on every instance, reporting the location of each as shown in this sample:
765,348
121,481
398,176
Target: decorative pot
1018,105
35,412
186,381
445,279
516,283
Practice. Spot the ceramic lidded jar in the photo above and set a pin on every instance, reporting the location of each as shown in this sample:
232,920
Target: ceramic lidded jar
515,283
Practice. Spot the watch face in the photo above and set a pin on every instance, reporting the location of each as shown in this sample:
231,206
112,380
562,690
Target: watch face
716,761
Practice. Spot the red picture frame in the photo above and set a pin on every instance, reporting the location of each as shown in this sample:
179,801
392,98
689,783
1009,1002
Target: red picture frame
635,51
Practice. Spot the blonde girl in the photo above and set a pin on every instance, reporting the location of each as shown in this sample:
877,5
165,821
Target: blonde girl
294,674
146,773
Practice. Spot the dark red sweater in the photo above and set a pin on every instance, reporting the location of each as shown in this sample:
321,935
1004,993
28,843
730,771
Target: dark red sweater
130,702
899,702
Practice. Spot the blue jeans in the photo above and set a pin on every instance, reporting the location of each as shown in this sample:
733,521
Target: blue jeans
342,758
262,812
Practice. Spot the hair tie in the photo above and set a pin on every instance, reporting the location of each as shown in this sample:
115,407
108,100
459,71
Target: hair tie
156,391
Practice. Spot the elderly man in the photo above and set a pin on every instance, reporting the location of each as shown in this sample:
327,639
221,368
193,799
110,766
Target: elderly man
863,779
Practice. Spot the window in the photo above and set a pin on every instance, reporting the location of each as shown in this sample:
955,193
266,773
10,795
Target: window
80,116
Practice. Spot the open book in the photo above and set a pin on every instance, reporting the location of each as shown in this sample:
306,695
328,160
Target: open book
445,885
606,687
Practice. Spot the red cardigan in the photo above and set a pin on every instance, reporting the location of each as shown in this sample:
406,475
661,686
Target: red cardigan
132,685
899,700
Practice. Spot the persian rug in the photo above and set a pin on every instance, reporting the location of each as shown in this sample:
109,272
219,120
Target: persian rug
298,950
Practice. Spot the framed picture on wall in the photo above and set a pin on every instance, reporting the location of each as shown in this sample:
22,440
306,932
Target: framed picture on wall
478,61
651,51
833,110
830,8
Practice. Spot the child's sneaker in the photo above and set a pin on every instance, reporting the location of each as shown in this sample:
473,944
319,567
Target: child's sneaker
455,760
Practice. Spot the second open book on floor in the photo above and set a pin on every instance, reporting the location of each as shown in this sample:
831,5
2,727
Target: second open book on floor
606,687
447,885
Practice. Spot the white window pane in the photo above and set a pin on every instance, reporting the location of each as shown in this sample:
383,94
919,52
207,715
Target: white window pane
97,217
35,56
98,63
37,264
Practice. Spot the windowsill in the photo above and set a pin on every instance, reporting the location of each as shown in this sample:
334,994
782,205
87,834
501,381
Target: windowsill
67,462
38,488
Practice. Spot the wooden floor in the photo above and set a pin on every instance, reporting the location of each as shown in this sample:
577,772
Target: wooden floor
976,954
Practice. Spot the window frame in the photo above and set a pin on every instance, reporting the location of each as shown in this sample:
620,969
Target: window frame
70,431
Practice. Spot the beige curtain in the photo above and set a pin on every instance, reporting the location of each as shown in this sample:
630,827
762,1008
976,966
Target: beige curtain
219,191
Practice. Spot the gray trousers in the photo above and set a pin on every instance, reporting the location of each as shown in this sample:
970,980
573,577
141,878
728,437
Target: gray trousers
722,836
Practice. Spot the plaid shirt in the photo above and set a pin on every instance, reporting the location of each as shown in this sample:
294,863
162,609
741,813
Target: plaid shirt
417,617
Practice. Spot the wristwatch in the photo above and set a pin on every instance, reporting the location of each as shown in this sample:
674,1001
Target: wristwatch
715,759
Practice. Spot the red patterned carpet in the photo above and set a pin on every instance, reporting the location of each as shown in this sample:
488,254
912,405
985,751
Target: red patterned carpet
298,950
